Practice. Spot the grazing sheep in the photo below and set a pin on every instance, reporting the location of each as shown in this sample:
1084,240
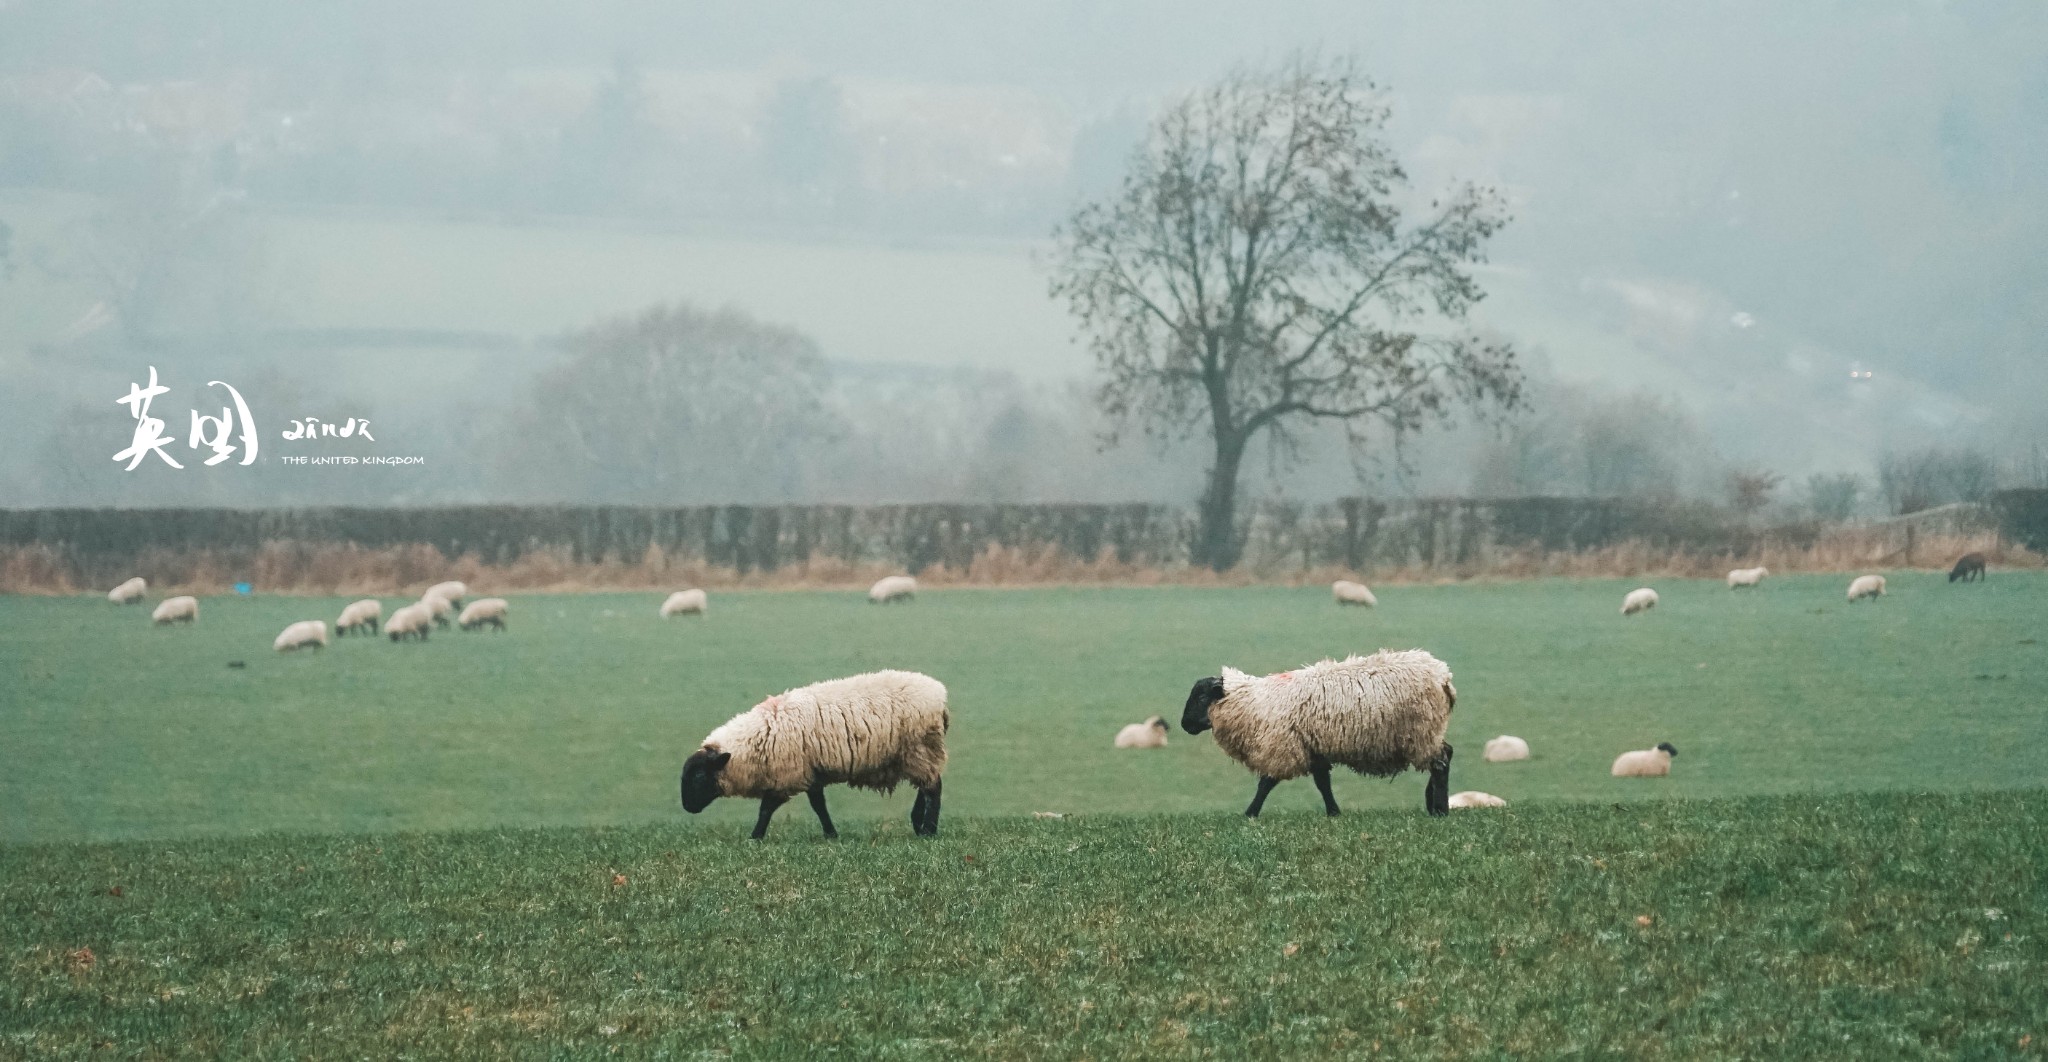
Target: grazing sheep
302,634
1645,763
128,593
1473,798
1969,567
1742,577
685,602
483,610
412,621
1150,734
1504,749
870,731
176,610
1641,600
452,590
892,588
360,616
1378,715
1866,586
439,608
1349,593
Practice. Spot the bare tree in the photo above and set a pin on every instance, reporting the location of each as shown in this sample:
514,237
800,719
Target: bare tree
1255,272
1833,497
1750,489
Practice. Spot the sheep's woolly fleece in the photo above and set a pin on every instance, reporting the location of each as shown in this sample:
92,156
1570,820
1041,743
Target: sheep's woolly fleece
872,731
1146,735
1866,586
176,609
685,601
1349,593
1378,715
359,613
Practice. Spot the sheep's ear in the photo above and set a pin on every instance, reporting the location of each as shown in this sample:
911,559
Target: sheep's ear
716,761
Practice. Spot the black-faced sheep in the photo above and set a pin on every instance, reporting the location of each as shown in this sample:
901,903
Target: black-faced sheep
1150,734
360,617
301,635
176,610
1645,763
128,593
483,611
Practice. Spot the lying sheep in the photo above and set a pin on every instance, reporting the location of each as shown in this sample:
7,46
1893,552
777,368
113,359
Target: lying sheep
870,731
176,610
1150,734
685,602
128,593
360,616
892,588
1742,577
1349,593
1505,749
1378,715
1641,600
302,634
486,610
1866,586
411,621
1473,798
1969,567
1645,763
451,590
439,609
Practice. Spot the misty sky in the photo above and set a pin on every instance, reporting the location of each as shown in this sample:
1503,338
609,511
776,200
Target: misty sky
1734,204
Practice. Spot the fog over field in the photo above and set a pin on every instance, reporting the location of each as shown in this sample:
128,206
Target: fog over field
1793,240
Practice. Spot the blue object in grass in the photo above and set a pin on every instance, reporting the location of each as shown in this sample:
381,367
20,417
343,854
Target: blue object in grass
241,588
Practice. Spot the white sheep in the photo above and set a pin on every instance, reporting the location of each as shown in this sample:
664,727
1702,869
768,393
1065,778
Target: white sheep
870,731
484,610
439,609
128,593
176,610
1645,763
1473,798
452,590
1506,749
411,621
302,634
1641,600
1349,593
1871,586
1742,577
1150,734
1378,715
360,616
686,602
892,588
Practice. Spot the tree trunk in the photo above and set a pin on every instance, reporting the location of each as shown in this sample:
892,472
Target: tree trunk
1217,545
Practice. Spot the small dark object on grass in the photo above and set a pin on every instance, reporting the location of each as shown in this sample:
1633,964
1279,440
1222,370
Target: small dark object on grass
1970,566
237,664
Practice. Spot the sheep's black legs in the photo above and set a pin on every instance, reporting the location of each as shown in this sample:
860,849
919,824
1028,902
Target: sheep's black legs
1259,801
1437,798
924,813
1321,772
824,817
768,806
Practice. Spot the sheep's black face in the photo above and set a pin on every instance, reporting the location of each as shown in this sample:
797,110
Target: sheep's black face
1669,750
1161,724
700,778
1195,717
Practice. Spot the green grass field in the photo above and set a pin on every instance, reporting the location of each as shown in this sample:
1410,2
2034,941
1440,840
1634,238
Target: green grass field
1862,927
582,713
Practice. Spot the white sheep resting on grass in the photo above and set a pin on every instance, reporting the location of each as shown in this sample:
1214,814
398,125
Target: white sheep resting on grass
484,611
1871,586
1742,577
870,731
128,593
452,590
360,617
1349,593
1378,715
1645,763
176,610
892,588
301,635
1473,798
412,621
1641,600
1150,734
685,602
1505,749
